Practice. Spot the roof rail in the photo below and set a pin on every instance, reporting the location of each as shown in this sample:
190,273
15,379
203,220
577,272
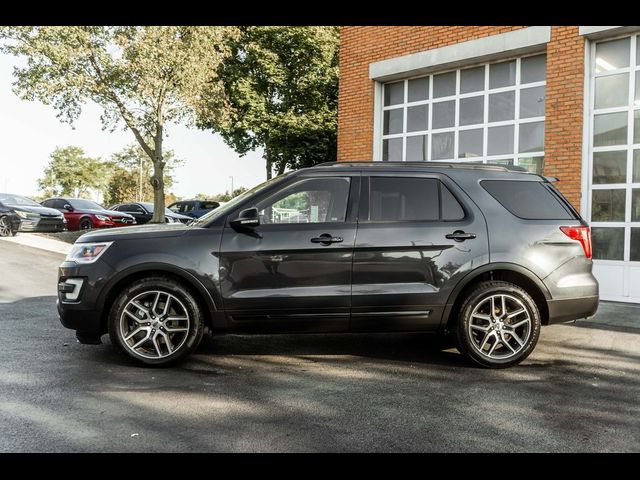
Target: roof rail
464,165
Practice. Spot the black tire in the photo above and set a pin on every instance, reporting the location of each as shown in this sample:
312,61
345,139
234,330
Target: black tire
167,286
467,342
85,224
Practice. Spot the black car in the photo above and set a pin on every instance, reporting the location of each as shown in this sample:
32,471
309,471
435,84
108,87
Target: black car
34,217
484,253
143,211
9,221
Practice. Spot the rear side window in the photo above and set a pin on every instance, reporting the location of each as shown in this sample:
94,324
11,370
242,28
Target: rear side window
529,200
208,205
411,199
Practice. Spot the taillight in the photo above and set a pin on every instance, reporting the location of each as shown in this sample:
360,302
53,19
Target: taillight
583,235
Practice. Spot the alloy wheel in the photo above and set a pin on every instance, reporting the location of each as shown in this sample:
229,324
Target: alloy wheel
154,324
500,326
5,227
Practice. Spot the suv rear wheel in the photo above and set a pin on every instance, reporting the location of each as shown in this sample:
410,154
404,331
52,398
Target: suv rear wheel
156,321
499,325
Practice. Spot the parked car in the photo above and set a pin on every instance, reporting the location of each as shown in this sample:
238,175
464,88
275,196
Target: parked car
483,253
143,211
194,208
34,217
84,214
9,222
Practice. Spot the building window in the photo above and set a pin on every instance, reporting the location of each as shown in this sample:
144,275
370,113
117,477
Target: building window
614,154
492,113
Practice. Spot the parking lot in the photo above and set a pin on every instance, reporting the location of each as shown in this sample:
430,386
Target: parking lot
578,391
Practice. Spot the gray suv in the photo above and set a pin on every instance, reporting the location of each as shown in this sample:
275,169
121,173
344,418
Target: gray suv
484,253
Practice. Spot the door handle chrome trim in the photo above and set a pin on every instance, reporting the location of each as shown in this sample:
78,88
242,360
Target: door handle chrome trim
460,236
327,239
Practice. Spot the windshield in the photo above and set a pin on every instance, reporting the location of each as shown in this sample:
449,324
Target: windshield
231,204
148,206
80,204
17,200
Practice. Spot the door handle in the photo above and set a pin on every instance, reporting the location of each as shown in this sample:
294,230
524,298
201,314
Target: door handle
326,239
460,236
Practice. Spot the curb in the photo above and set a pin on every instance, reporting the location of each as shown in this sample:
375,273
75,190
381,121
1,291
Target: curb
43,243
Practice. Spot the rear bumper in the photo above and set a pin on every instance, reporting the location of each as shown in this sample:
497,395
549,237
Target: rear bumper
566,310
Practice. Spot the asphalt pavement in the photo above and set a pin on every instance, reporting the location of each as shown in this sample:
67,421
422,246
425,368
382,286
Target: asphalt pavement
578,391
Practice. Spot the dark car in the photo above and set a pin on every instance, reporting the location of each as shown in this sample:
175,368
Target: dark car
9,221
34,217
143,211
194,208
84,214
484,253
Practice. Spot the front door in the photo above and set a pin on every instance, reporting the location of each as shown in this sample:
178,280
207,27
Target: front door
415,240
293,271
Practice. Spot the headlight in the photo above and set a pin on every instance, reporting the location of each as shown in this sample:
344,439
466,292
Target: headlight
87,252
22,214
103,218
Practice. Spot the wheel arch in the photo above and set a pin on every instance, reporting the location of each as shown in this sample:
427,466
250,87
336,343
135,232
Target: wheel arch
508,272
126,277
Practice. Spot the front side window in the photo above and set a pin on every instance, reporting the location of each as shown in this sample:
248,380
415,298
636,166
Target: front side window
311,200
493,113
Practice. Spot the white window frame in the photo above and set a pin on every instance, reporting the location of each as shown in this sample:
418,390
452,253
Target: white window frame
485,125
630,108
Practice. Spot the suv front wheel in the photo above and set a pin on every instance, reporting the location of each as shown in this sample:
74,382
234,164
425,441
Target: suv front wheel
499,325
156,321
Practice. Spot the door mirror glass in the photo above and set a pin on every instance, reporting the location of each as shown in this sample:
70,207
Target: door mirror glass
247,218
68,207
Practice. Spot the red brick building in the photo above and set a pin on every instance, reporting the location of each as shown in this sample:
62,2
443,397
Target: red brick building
562,101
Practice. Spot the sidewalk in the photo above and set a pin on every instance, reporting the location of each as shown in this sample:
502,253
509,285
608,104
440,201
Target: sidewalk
37,241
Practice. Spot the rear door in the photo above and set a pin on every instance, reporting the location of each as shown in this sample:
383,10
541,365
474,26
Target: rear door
417,235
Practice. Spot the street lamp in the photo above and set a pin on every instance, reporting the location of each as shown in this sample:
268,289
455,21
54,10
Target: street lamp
231,177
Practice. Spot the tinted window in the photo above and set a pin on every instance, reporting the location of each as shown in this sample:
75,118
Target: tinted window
528,200
312,200
451,208
402,199
208,205
175,208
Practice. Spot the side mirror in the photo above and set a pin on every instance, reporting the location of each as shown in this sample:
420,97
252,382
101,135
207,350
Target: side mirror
68,207
247,218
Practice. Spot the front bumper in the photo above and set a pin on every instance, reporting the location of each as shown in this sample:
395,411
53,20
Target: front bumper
43,225
569,309
82,310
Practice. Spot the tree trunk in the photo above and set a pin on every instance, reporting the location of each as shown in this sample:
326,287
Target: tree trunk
268,159
157,180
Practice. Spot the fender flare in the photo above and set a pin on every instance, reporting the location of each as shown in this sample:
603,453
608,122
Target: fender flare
474,274
190,279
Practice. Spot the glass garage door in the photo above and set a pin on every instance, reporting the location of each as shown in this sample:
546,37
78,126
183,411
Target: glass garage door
614,165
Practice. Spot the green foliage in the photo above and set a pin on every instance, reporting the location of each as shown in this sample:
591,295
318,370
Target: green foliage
126,184
280,94
225,197
71,173
143,77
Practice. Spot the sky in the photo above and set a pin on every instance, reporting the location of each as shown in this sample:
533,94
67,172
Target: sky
30,131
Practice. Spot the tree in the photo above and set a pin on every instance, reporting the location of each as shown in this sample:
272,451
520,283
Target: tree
226,196
143,77
128,171
281,94
71,173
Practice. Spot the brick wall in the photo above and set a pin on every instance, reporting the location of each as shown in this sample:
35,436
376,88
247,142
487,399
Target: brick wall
359,46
